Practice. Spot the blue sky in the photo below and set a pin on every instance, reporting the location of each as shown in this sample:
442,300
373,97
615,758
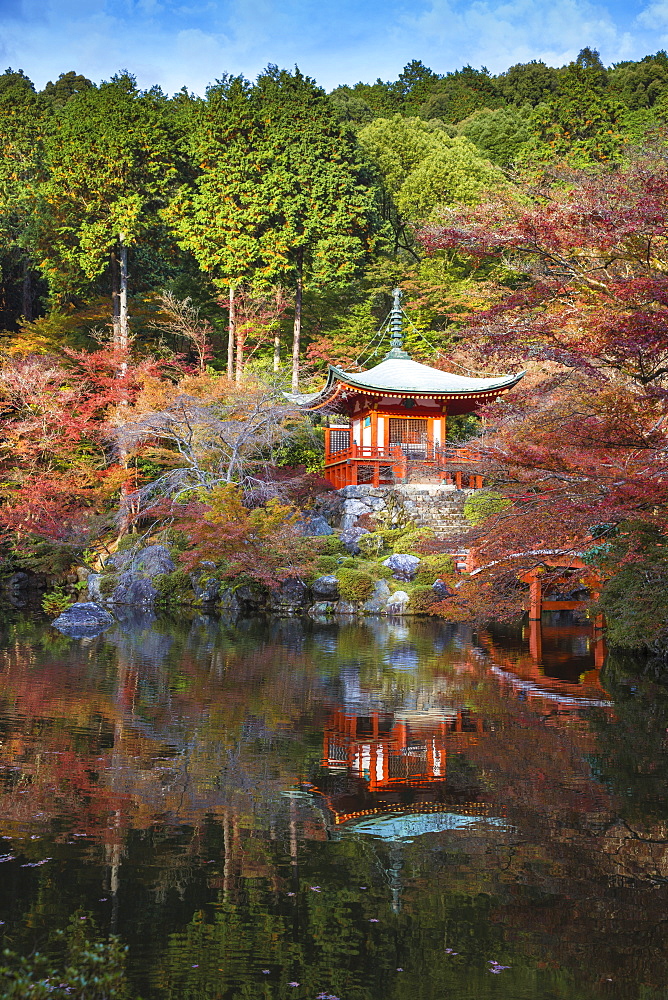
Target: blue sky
190,43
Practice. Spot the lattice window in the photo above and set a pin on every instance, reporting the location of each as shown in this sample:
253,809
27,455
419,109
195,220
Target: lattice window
408,430
339,439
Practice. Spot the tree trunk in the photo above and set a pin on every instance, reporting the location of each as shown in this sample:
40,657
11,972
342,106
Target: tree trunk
27,291
115,299
231,335
297,331
123,319
277,335
240,354
277,350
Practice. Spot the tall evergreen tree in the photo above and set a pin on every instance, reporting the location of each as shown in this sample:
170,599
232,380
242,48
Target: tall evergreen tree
112,160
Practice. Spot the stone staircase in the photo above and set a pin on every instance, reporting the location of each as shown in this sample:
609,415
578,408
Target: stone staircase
438,507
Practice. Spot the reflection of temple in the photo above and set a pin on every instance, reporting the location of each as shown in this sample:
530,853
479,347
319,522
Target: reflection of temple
382,762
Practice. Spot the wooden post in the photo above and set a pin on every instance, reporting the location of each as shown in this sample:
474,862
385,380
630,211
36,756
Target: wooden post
535,639
535,596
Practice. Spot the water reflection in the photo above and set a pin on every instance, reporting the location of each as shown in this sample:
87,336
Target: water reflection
329,804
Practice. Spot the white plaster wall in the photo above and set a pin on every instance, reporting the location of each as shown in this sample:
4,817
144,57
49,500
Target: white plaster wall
356,431
381,432
437,431
366,435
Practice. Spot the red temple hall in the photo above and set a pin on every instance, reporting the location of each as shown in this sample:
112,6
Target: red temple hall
397,417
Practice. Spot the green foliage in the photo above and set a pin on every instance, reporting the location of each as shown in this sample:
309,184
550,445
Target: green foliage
412,540
484,504
56,601
355,585
438,566
528,83
108,584
90,968
174,588
305,447
500,134
326,565
635,597
421,599
462,427
328,545
422,167
581,122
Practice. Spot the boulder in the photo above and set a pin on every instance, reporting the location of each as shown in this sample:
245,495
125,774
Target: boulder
441,589
205,588
321,609
350,538
378,600
153,560
398,603
134,588
403,566
316,526
291,597
326,588
230,604
345,608
355,492
93,582
352,511
83,619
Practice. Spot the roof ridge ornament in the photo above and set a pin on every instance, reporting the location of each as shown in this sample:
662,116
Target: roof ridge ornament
396,332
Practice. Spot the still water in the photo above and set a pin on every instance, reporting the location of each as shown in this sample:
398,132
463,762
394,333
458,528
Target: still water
356,810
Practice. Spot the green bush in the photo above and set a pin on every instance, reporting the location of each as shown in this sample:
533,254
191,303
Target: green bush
483,504
434,567
174,588
108,584
355,585
372,545
86,967
127,543
349,563
421,600
329,545
326,565
56,601
410,541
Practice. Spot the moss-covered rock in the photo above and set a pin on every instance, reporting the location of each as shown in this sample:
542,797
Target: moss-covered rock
435,567
174,588
421,600
355,585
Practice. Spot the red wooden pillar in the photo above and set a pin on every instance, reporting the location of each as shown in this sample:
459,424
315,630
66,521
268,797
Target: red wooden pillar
535,639
535,596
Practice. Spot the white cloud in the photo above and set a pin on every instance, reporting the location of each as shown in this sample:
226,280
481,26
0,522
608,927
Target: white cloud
184,43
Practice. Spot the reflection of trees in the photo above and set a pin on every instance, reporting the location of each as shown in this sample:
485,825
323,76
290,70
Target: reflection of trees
169,749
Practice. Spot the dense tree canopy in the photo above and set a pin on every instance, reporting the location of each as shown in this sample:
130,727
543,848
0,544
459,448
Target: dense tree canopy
524,215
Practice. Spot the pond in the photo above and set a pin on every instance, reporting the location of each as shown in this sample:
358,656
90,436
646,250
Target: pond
361,810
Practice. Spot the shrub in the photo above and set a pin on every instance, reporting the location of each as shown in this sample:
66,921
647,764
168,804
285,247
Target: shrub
410,541
108,584
127,543
326,565
434,567
354,585
174,588
421,600
349,563
329,545
373,544
483,504
56,601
